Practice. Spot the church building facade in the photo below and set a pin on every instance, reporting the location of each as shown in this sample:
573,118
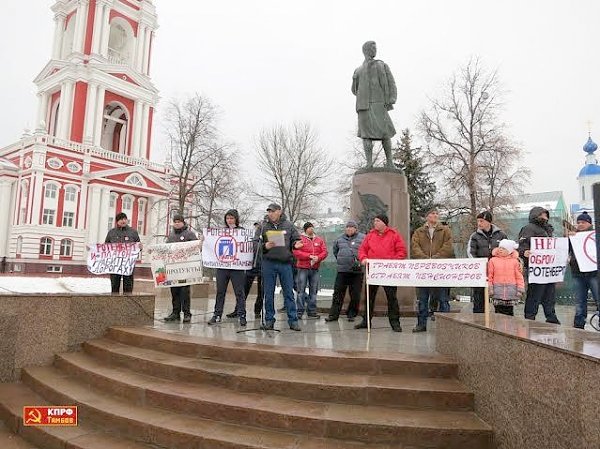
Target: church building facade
88,157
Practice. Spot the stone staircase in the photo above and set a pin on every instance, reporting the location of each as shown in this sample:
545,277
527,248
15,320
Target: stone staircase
143,388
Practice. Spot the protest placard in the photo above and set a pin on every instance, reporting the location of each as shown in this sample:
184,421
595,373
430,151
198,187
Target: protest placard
547,259
176,264
428,272
228,248
584,248
112,258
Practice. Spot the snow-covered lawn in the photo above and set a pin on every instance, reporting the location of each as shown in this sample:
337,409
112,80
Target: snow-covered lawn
22,284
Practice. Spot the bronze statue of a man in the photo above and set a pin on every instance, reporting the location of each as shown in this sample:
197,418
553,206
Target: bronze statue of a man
375,90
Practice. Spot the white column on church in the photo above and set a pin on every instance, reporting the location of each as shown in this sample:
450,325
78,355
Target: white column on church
137,126
80,21
90,113
59,33
94,214
99,119
83,194
104,210
105,30
65,110
146,58
139,47
98,24
35,193
144,129
5,203
42,113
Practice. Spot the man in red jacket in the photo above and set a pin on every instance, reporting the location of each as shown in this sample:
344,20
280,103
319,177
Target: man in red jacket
308,258
382,242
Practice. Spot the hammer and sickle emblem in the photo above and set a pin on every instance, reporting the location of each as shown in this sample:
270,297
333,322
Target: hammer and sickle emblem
34,417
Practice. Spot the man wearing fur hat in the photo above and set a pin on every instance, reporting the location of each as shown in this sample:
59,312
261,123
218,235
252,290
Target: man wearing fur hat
583,282
308,258
537,294
349,272
180,296
382,242
433,240
481,243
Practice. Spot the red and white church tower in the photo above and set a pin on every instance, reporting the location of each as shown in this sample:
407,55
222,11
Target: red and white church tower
89,156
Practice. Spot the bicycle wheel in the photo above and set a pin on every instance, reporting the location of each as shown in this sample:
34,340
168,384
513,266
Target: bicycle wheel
595,321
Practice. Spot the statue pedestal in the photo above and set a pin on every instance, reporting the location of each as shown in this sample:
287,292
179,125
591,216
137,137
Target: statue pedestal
380,190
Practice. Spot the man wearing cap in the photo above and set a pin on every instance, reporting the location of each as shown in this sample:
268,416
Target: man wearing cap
349,272
480,244
433,240
278,239
122,233
583,282
545,294
308,258
382,242
180,296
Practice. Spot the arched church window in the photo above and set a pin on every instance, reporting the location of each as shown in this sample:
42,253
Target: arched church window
115,128
135,180
120,42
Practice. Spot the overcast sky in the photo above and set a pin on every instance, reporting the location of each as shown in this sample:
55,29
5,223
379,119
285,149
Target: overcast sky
274,61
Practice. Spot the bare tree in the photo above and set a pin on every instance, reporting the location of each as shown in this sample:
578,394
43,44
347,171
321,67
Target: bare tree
204,168
477,160
296,169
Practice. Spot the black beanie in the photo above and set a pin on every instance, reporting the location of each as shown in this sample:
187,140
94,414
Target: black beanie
307,225
584,216
383,217
486,215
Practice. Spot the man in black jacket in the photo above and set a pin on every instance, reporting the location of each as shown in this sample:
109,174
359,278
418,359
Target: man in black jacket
279,237
537,294
122,233
180,296
481,243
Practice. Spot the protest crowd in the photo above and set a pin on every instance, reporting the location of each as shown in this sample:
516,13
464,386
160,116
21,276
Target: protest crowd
522,270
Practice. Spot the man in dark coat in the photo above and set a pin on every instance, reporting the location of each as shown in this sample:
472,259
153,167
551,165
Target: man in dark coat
180,296
122,233
537,294
279,237
481,243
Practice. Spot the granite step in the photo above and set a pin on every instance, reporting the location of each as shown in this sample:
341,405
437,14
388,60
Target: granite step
297,358
254,415
13,397
349,388
161,428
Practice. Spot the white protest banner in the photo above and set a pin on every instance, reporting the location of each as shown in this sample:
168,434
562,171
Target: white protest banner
584,248
228,248
547,259
176,264
428,272
112,258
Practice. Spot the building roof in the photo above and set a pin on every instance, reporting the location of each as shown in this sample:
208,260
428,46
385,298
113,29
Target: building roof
590,170
590,146
547,200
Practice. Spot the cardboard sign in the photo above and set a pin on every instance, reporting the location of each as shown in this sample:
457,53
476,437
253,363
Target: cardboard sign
548,259
228,248
428,272
113,258
176,264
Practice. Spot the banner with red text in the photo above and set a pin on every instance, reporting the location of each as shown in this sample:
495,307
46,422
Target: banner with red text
112,258
228,248
584,248
547,259
428,272
176,264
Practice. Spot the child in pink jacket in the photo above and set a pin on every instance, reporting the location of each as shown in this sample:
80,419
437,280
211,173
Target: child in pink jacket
505,277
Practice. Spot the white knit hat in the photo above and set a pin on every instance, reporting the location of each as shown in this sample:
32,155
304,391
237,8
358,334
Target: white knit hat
508,245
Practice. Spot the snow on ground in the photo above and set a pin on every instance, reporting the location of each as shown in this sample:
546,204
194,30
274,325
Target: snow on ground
18,284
